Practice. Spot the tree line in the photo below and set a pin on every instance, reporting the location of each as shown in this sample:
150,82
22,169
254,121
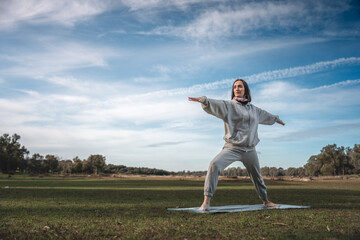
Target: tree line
15,158
332,160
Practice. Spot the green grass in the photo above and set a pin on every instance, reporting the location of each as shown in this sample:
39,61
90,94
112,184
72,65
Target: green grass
84,208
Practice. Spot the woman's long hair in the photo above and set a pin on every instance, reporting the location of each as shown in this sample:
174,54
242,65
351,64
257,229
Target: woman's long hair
247,94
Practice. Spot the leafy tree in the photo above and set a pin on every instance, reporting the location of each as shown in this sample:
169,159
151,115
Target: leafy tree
87,167
77,166
12,154
300,171
291,171
265,171
230,172
97,163
313,166
241,171
354,160
34,164
347,166
334,158
273,171
51,163
280,172
65,166
327,170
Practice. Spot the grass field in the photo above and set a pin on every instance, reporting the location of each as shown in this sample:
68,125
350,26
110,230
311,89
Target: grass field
86,208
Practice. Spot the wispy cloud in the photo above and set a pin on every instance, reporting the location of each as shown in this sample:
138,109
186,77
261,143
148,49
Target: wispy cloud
81,122
249,18
83,86
55,58
289,98
320,132
112,106
69,12
303,70
154,4
338,84
73,124
162,144
257,78
112,32
151,79
76,77
310,113
66,12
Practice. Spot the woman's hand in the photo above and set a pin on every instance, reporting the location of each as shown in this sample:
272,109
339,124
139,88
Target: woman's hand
195,99
281,122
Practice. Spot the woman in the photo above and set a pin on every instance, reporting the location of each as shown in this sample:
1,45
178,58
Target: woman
241,120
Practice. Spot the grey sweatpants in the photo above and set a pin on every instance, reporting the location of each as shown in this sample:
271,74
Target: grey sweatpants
227,156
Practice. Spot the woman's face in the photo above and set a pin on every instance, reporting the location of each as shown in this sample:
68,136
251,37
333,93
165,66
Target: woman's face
239,90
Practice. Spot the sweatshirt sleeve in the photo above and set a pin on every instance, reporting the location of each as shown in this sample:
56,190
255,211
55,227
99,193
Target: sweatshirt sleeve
267,118
218,108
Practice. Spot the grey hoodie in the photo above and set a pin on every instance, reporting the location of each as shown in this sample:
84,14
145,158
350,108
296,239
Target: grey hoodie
241,121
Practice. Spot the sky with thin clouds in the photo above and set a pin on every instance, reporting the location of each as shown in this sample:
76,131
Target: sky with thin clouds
112,77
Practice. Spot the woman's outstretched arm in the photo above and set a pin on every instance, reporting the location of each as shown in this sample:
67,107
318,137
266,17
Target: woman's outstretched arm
218,108
281,122
195,99
267,118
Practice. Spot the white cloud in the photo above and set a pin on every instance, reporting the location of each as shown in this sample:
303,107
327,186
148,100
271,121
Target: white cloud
69,81
338,84
112,32
120,128
134,124
139,111
135,5
289,98
310,114
83,86
65,12
115,104
55,58
69,12
255,78
38,109
158,127
16,114
162,144
303,70
249,18
151,79
159,69
192,58
144,147
314,133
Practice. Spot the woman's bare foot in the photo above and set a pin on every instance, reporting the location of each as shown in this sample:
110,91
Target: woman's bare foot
267,203
206,204
204,207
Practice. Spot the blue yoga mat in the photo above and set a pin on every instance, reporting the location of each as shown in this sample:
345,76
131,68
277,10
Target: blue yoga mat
236,208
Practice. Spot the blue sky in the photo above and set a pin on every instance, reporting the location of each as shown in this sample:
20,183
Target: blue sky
113,77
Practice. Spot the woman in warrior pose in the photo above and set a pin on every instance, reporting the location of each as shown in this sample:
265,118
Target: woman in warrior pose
241,120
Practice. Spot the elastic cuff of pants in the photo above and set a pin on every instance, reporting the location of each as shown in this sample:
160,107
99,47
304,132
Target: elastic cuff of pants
208,194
